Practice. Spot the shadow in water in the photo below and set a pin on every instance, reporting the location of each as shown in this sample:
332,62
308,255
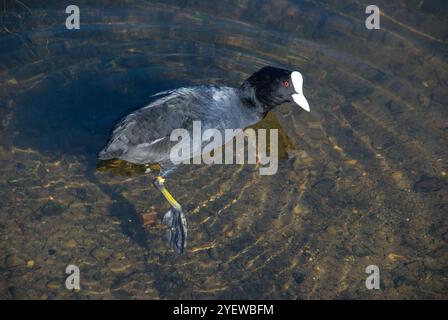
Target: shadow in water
76,118
130,222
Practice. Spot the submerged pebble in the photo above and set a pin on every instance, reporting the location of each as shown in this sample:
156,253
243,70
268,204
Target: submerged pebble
50,208
324,186
54,285
332,231
102,253
121,294
71,244
116,266
13,261
429,184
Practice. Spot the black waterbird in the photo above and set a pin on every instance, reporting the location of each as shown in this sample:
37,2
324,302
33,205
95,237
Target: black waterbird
143,137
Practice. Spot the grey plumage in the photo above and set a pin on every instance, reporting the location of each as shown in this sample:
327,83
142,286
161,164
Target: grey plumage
144,135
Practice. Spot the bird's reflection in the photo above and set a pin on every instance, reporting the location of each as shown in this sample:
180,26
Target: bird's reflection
124,168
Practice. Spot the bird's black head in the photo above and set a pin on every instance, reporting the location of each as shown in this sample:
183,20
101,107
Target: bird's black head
273,86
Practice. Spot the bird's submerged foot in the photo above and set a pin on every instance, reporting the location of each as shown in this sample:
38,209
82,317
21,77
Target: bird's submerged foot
177,229
174,218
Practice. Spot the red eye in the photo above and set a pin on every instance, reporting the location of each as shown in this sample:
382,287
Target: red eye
286,83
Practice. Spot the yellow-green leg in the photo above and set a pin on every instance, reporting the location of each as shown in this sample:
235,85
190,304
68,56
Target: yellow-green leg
159,183
174,218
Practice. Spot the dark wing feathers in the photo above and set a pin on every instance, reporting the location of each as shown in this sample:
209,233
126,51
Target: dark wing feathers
143,136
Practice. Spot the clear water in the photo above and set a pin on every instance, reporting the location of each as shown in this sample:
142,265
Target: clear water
363,183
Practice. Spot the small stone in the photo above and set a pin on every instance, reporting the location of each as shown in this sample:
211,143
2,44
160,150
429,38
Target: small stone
71,244
119,256
393,256
118,266
102,253
324,186
429,184
332,231
50,208
298,277
13,261
229,233
360,251
397,175
81,193
351,162
121,294
150,217
261,226
53,285
30,263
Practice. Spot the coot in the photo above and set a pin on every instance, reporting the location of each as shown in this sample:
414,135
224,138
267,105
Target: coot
143,137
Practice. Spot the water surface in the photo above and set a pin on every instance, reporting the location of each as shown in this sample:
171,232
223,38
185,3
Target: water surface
363,183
